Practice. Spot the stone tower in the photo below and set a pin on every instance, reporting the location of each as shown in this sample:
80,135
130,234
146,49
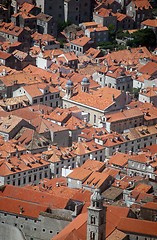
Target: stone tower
69,88
96,222
85,84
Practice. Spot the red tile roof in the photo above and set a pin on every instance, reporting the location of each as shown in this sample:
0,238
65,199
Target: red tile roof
81,41
32,196
150,23
149,68
19,207
142,4
139,227
96,180
76,230
150,205
80,174
10,29
4,55
93,165
119,159
100,99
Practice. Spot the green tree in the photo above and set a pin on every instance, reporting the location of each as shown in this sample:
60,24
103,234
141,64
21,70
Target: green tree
62,25
144,37
112,32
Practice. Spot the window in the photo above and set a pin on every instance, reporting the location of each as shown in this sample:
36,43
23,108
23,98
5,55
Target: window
35,177
88,116
43,229
35,101
92,220
41,99
94,118
45,174
92,236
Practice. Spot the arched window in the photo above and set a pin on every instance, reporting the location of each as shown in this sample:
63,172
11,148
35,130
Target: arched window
92,236
92,219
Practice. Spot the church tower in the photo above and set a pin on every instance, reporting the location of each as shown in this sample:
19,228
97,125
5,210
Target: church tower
69,88
85,85
96,222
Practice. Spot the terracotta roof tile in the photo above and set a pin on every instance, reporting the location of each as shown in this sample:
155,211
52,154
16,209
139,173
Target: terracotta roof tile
142,4
150,22
32,196
11,29
93,165
150,205
81,41
136,226
80,174
19,207
100,99
26,7
126,114
119,159
96,180
149,68
116,235
4,55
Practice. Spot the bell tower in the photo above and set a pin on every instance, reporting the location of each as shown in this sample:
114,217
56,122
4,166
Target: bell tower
85,85
69,88
96,222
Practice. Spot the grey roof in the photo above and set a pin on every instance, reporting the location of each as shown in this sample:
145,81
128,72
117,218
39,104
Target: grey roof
44,17
85,81
69,83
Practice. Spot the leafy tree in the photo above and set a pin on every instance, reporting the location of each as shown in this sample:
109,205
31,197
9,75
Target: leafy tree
136,91
111,46
62,25
112,32
121,34
144,37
